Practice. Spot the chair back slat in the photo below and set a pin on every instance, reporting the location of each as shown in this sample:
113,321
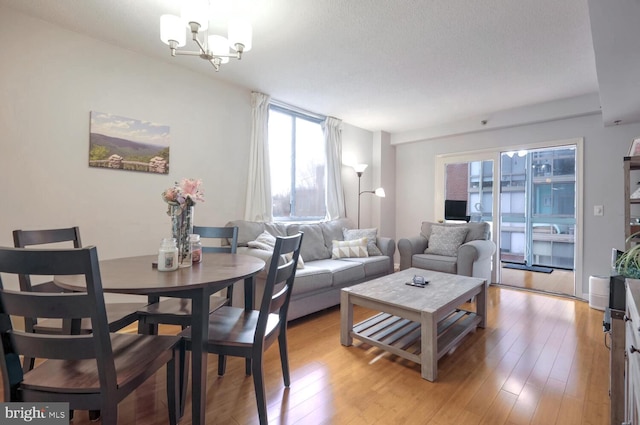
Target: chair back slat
229,233
279,284
46,305
25,238
60,347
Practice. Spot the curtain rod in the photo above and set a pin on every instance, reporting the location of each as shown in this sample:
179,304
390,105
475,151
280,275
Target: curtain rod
296,109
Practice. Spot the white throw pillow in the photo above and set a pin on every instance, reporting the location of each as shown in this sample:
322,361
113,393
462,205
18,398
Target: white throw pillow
370,234
356,248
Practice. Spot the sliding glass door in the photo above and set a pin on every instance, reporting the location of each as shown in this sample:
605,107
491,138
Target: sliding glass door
538,207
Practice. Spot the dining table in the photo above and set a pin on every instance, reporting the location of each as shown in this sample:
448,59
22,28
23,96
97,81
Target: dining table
140,276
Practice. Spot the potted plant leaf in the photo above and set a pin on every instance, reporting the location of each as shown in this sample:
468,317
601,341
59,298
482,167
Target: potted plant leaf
628,263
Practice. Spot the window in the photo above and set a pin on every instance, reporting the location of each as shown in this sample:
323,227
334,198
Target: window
298,165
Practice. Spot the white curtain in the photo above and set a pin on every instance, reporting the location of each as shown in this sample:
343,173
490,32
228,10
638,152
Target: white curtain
258,204
334,196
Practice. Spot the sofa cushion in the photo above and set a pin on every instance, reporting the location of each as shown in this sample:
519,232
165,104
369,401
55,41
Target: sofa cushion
477,231
373,266
267,242
370,234
332,230
247,230
344,272
312,278
346,249
313,247
445,240
438,263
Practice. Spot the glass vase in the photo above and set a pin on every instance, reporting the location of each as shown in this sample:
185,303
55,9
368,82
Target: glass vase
181,228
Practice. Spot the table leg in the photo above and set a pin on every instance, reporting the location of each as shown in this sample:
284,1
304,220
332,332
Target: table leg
429,347
481,306
346,318
249,284
199,334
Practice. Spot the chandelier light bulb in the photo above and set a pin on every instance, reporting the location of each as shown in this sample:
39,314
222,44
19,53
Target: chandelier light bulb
219,46
172,29
240,33
196,11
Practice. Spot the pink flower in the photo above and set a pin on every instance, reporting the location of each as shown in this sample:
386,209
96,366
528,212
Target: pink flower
186,193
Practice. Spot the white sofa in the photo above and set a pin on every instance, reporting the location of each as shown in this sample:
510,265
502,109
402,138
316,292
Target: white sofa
317,285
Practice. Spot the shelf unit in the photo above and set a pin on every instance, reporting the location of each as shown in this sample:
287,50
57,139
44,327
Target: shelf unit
631,164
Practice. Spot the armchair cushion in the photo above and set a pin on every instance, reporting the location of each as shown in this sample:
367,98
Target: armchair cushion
445,240
477,231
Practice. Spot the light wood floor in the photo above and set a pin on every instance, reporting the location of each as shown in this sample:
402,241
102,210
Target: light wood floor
540,360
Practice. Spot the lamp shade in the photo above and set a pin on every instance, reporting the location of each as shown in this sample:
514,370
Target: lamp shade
359,168
172,29
196,11
240,32
219,46
379,192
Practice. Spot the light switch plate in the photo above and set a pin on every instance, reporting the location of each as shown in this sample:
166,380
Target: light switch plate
598,210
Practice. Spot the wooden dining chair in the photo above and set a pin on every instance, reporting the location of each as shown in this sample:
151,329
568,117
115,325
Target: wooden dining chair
89,371
237,332
119,315
176,311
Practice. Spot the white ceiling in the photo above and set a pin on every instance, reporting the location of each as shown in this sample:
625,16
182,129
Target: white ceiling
378,64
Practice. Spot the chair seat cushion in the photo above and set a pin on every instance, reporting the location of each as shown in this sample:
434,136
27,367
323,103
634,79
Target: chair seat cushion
438,263
234,326
131,358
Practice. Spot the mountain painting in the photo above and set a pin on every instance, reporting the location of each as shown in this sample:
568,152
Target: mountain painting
123,143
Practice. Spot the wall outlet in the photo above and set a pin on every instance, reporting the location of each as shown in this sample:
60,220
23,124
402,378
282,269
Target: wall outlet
598,210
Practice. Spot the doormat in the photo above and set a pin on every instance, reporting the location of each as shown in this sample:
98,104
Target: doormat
516,266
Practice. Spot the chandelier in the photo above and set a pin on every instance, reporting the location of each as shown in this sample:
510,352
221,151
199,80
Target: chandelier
214,48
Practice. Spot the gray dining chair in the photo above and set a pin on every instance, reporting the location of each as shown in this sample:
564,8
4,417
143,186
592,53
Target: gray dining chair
235,331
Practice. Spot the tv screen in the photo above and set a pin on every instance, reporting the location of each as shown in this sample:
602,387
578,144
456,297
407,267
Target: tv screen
455,210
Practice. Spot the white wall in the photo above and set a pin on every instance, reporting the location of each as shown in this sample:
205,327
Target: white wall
50,80
603,178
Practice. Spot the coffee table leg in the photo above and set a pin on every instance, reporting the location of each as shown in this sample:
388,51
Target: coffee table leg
481,306
346,318
429,347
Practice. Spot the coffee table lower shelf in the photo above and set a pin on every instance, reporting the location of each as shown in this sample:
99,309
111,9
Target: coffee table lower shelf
401,336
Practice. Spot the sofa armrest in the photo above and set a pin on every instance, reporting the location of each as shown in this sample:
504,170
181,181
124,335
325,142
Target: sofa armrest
388,247
407,247
472,252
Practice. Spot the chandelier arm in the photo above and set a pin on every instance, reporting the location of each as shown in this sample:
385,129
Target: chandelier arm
187,53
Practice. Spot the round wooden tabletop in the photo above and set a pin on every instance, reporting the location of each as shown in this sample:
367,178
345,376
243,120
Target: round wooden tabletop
135,275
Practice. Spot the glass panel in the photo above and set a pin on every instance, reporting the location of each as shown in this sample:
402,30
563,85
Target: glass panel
471,182
280,157
297,159
309,170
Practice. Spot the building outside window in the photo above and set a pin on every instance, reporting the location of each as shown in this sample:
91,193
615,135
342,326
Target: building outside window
298,165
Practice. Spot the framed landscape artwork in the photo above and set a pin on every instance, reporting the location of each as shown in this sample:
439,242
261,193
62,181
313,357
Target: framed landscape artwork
123,143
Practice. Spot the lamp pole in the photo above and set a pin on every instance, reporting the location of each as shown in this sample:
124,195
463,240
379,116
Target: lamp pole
359,193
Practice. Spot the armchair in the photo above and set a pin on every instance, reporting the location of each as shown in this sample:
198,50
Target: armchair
466,251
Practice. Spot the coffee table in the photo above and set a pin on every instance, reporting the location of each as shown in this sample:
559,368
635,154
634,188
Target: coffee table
418,324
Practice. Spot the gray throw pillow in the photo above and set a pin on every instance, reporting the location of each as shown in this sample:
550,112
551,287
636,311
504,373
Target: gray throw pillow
445,240
370,234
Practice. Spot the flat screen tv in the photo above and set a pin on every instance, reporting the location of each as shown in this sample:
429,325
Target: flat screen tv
455,210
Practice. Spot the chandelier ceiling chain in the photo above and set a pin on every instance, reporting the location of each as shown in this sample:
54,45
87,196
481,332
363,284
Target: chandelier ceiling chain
216,49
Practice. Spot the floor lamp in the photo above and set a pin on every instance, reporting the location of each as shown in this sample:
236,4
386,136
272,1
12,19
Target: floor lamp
359,169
